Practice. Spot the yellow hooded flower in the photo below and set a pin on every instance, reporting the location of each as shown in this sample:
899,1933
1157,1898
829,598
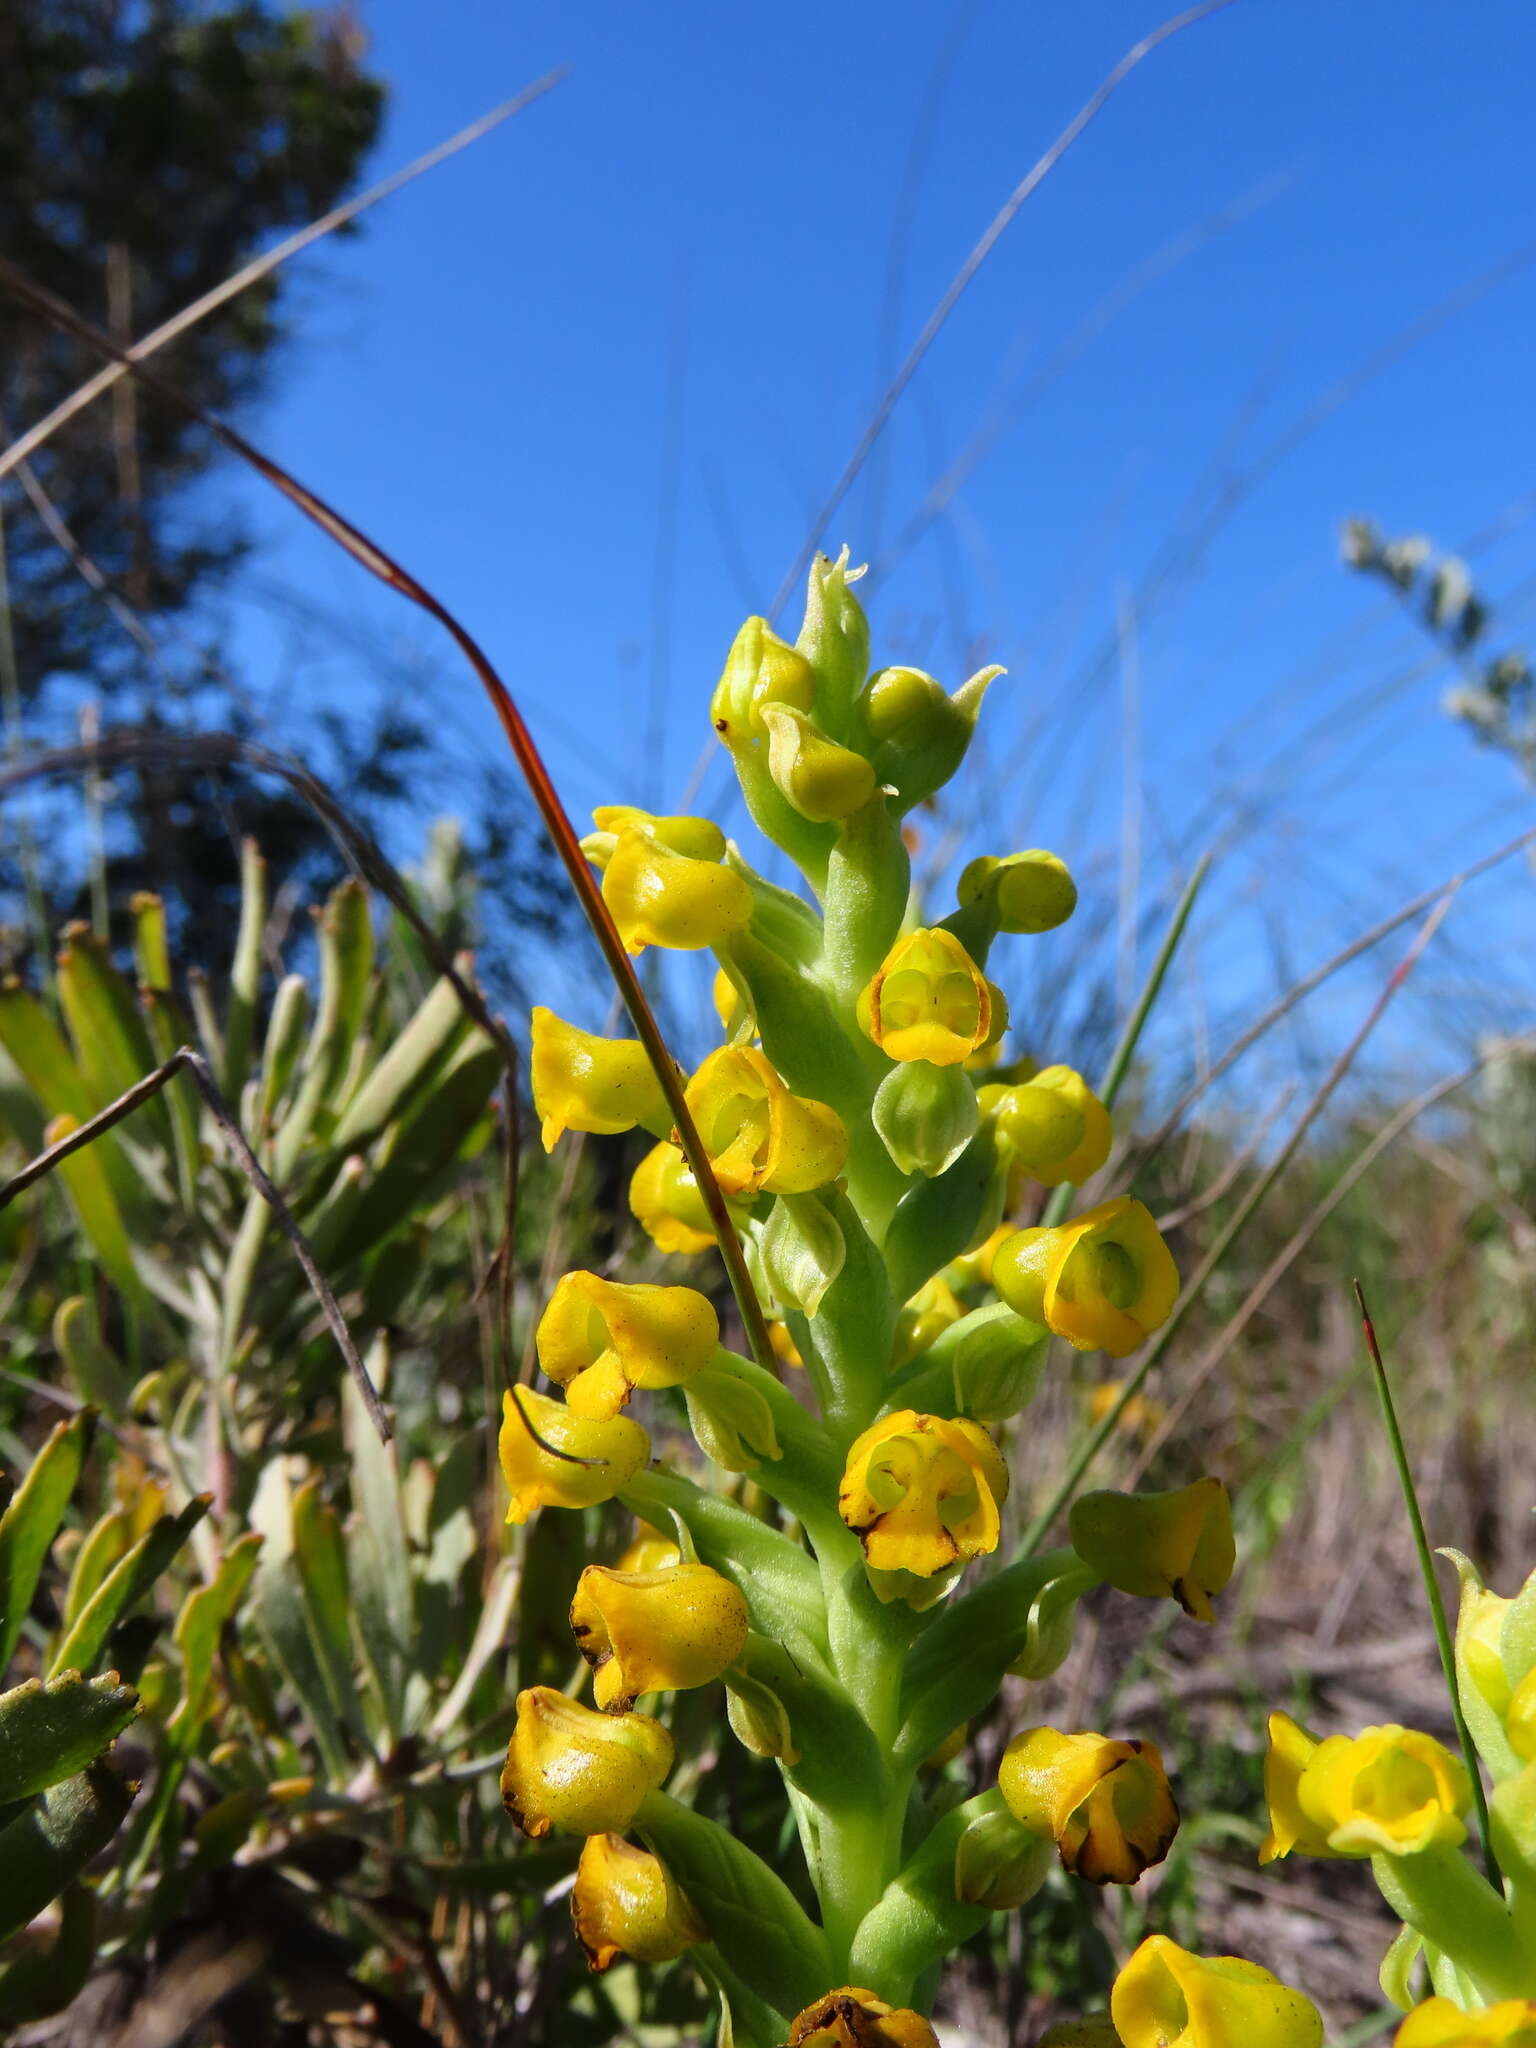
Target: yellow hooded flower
1386,1791
625,1904
665,1201
551,1458
578,1771
928,1000
582,1082
1031,892
1173,1545
656,1631
1520,1718
1105,1804
759,1136
1055,1127
648,1551
600,1339
821,780
1440,2024
851,2017
1167,1998
663,882
761,671
1105,1281
922,1493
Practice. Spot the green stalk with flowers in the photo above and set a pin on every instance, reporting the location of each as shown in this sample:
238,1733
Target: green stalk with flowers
869,1145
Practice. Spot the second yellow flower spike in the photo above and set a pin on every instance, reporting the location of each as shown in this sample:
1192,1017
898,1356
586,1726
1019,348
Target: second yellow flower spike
928,1000
1167,1998
600,1339
1106,1805
1387,1791
922,1494
656,1631
1105,1281
760,1137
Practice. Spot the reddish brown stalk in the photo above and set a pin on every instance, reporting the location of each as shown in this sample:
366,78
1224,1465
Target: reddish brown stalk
551,810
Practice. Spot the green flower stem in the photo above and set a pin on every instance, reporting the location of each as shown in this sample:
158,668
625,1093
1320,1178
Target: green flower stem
869,879
1458,1911
917,1918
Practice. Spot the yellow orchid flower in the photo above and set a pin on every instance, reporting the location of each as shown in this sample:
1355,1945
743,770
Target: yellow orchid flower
1386,1791
761,1137
625,1904
761,672
647,1551
552,1458
578,1771
1438,2023
1171,1545
1105,1281
600,1339
928,1000
821,780
1105,1804
656,1631
663,882
1055,1127
582,1082
1167,1998
922,1495
665,1201
851,2017
1031,892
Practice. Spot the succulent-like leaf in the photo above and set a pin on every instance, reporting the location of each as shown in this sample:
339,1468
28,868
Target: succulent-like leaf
49,1732
32,1520
52,1840
124,1586
198,1628
43,1982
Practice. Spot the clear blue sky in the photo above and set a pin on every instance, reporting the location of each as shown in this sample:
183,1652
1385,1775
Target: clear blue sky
735,219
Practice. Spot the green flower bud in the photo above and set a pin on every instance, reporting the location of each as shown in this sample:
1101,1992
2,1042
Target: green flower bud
998,1363
821,780
835,638
802,1250
758,1717
761,671
999,1863
731,1421
926,1115
918,734
1030,892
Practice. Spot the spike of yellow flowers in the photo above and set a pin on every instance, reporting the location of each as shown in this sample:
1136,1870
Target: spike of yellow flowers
1177,1544
1055,1127
852,2017
600,1339
1386,1791
582,1082
1105,1281
1106,1804
1167,1998
578,1771
552,1458
625,1904
928,1000
922,1495
759,1136
663,882
1440,2024
656,1631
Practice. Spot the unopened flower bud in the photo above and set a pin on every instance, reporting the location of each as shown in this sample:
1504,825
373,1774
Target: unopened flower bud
834,638
582,1772
928,1000
1106,1805
582,1082
1167,1998
1387,1791
998,1364
1055,1127
821,780
655,1631
625,1904
552,1458
1000,1863
761,1137
1440,2023
926,1116
1176,1544
922,1495
851,2017
918,733
1104,1281
600,1339
761,671
731,1421
758,1717
1030,892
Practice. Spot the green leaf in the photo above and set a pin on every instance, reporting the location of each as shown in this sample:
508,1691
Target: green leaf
198,1628
322,1562
753,1918
43,1982
282,1617
49,1732
245,974
112,1044
45,1848
417,1053
125,1585
95,1371
378,1564
938,1219
32,1520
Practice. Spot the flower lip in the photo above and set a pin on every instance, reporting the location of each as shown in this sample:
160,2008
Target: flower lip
922,1493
